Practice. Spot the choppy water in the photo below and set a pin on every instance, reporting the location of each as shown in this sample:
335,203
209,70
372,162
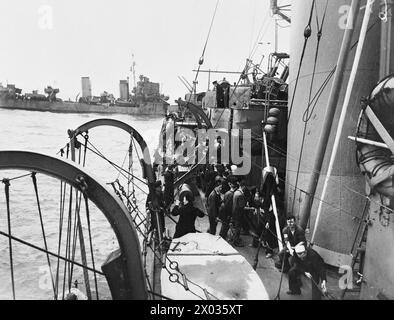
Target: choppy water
46,132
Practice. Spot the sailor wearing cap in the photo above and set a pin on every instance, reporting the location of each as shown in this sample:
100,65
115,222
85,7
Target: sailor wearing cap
309,262
226,209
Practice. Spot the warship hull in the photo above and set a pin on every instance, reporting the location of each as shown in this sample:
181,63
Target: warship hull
148,108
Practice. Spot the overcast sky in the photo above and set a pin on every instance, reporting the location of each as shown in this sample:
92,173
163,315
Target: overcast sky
56,42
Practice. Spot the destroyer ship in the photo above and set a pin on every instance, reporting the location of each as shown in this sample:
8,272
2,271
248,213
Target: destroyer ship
145,99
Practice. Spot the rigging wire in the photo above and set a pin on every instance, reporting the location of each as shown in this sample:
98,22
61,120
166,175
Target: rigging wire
77,223
91,243
158,295
307,114
68,245
16,239
7,197
61,218
253,23
115,166
307,34
34,178
260,36
246,68
201,60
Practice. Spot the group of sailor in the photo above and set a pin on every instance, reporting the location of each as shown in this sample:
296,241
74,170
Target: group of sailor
231,203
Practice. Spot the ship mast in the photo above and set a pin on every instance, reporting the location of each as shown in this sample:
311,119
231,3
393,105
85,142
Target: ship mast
278,10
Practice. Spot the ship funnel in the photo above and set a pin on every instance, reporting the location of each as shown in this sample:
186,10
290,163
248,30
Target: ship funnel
86,87
124,90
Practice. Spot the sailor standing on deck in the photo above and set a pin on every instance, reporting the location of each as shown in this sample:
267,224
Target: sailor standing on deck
209,179
214,202
268,225
238,213
187,216
168,186
293,235
226,209
309,262
160,201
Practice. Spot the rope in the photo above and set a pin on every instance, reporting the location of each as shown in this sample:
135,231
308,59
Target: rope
256,258
158,295
130,169
118,168
68,244
77,223
91,243
260,36
49,252
77,227
124,160
61,216
130,205
85,149
19,177
33,175
277,297
307,115
201,61
324,294
307,34
7,196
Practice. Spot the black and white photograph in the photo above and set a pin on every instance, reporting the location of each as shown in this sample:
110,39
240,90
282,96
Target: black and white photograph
210,152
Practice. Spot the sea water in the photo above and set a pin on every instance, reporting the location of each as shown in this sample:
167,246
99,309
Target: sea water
46,132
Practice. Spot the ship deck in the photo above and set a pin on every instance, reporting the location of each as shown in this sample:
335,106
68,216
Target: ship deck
266,270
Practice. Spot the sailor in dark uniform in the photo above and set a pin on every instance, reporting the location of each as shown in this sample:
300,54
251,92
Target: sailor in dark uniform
160,201
226,209
293,235
214,202
309,262
168,186
187,216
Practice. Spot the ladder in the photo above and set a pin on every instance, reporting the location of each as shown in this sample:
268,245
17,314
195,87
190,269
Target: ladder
358,253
